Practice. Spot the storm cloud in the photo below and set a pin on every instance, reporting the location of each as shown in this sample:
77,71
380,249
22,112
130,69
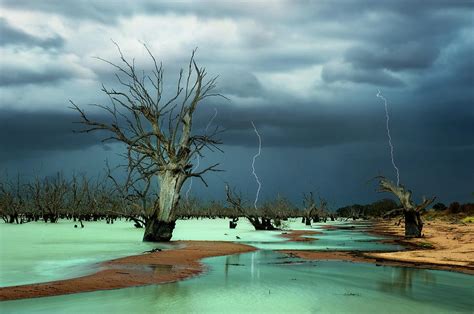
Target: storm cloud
24,134
11,36
306,73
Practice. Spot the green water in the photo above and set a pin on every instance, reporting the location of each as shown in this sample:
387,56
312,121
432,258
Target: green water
263,281
38,252
267,282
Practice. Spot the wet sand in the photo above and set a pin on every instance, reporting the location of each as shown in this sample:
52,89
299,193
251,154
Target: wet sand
364,257
445,246
139,270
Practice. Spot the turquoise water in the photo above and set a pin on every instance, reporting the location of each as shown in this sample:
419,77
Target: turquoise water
263,281
268,282
39,252
334,240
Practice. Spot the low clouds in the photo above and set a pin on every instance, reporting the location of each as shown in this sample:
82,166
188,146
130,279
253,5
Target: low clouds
305,72
25,134
411,55
346,72
39,67
10,35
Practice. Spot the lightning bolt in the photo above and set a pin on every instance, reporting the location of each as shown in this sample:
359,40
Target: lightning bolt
253,164
212,119
387,118
198,158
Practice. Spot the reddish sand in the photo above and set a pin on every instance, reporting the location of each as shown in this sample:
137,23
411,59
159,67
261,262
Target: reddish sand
298,235
152,268
443,244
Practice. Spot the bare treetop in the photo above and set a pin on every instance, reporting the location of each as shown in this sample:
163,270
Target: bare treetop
157,132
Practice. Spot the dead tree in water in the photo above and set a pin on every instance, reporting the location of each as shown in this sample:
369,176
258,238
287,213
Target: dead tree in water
76,197
49,196
11,200
132,199
410,211
157,132
312,210
259,223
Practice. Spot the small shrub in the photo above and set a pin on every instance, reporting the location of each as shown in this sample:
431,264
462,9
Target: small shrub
467,208
439,207
454,207
468,219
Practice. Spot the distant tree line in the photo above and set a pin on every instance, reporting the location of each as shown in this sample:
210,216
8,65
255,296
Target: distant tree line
103,198
386,208
82,199
375,209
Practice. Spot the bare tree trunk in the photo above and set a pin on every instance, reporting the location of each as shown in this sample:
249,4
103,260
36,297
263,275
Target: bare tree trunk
264,224
411,211
158,231
413,224
159,227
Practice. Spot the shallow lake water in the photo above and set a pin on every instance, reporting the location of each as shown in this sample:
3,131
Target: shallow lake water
265,281
261,281
39,252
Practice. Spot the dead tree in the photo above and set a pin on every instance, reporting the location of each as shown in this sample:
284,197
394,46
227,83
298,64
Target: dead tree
410,211
49,196
355,212
131,199
313,211
157,132
12,201
76,197
259,222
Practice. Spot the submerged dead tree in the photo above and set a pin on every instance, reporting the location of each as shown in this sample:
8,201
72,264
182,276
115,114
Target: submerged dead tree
312,210
157,131
12,200
410,211
49,196
258,220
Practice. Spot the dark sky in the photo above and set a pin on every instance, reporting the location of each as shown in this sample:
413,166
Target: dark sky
306,72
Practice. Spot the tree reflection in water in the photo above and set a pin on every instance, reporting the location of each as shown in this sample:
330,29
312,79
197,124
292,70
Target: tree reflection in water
403,278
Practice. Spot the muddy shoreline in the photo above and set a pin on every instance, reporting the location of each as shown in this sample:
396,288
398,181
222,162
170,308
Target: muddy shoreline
132,271
365,257
439,249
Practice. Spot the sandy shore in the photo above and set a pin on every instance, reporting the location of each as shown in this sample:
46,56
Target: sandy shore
139,270
444,244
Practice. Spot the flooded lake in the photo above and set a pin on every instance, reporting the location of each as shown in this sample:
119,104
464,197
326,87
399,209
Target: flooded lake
260,281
